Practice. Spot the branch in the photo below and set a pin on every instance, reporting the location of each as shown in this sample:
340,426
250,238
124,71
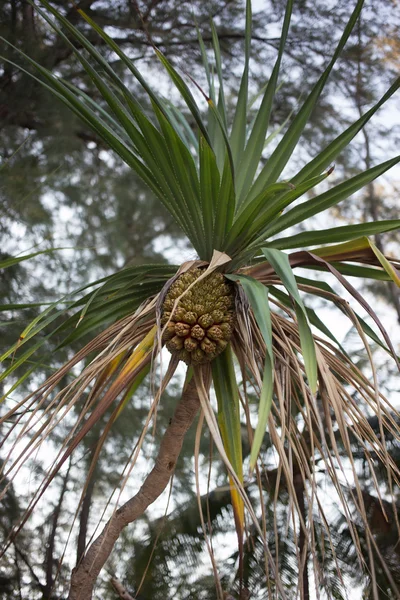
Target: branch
84,576
84,516
121,591
50,559
24,558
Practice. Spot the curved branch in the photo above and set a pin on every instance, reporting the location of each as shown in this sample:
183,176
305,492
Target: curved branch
85,574
121,591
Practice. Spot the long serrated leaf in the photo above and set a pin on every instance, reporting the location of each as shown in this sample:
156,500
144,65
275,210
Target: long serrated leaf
356,271
103,130
225,208
209,191
182,162
158,149
225,137
334,234
255,145
316,259
226,391
51,314
204,58
15,363
22,306
389,268
180,124
81,38
221,106
110,42
240,232
330,198
115,125
325,158
257,295
279,158
261,223
124,58
307,347
238,132
185,93
320,289
14,260
174,169
311,314
183,212
20,380
280,262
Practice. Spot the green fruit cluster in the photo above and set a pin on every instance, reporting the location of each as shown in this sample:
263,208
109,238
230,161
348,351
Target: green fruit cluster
199,326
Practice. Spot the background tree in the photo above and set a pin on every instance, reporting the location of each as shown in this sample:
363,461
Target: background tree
98,195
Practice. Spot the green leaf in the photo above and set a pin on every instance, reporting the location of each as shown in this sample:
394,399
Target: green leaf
96,106
15,363
334,234
178,121
111,44
255,145
261,223
209,191
21,379
325,158
153,148
114,141
389,268
280,262
22,306
225,208
225,138
204,58
185,93
108,307
185,173
238,133
240,233
14,260
257,295
311,314
279,158
221,107
330,198
226,391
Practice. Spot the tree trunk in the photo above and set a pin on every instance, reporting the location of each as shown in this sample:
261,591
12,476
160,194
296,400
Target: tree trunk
85,574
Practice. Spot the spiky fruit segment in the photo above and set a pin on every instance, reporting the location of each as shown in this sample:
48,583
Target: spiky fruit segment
201,325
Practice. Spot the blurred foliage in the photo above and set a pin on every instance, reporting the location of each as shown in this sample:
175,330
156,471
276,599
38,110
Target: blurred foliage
60,187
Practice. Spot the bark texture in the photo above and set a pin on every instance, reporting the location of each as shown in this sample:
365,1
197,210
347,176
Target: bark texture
121,591
85,574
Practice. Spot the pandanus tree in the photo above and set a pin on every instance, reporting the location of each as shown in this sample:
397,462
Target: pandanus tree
236,315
